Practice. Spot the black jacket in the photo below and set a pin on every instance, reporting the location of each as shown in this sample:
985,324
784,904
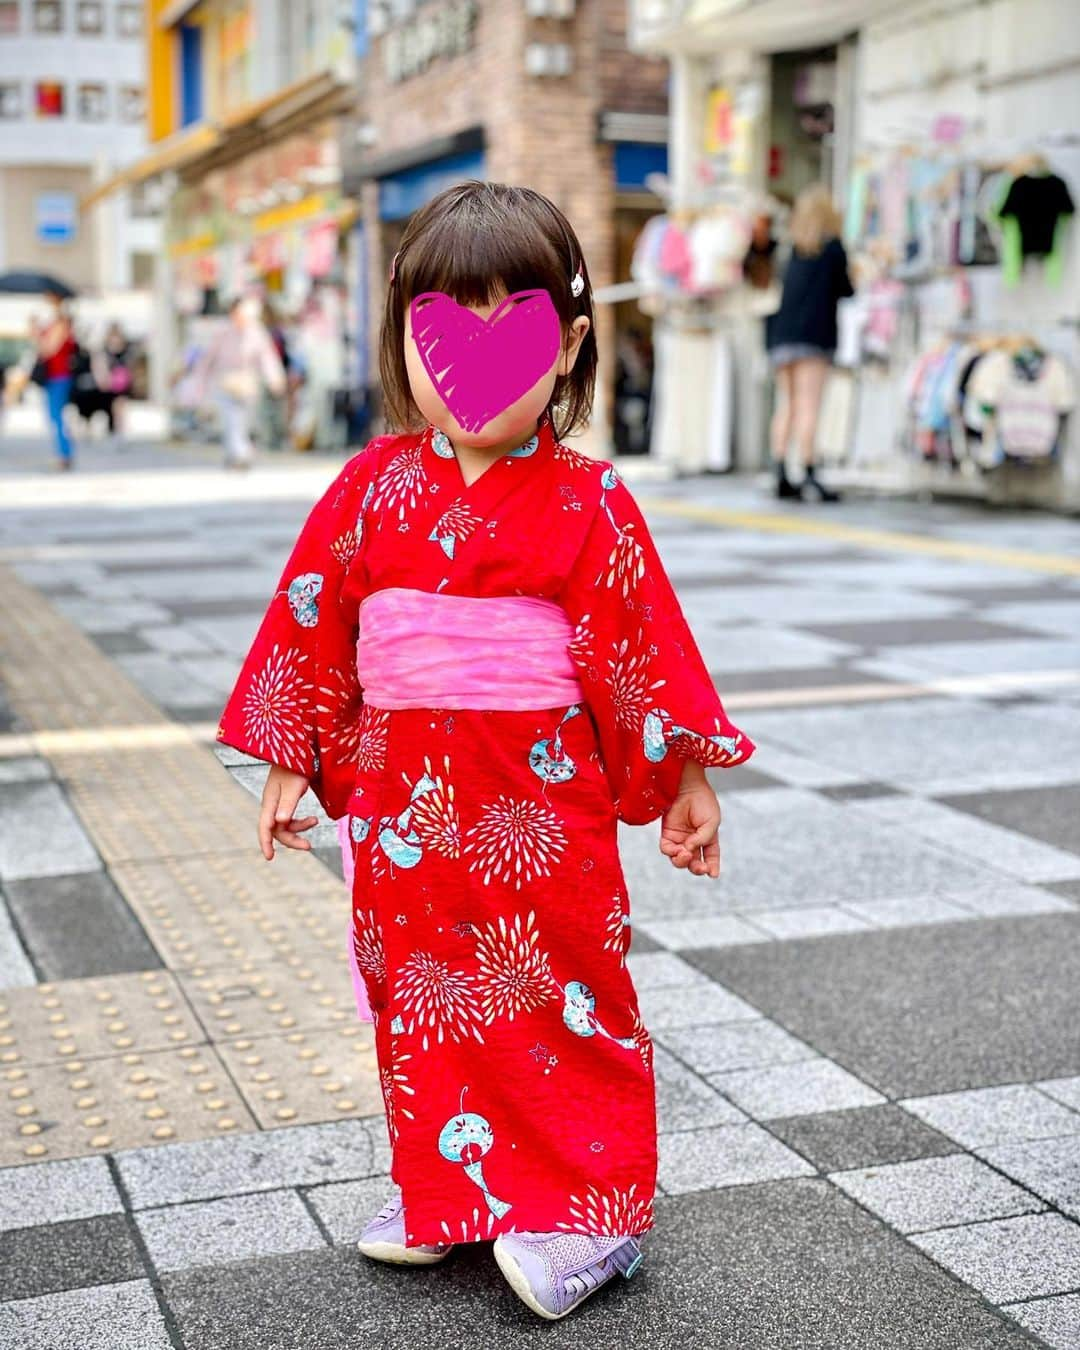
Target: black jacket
812,287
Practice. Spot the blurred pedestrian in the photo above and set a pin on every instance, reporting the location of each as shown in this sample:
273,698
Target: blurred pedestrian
274,403
55,353
117,355
801,336
239,361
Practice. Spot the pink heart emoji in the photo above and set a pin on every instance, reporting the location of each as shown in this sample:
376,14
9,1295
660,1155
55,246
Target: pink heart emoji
481,366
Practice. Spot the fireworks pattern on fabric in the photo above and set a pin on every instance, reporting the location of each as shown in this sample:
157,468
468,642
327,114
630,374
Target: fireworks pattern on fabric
515,841
631,689
435,815
402,483
395,1085
574,458
368,945
276,708
344,547
626,563
608,1213
438,1001
339,709
476,1231
514,975
457,522
617,928
372,736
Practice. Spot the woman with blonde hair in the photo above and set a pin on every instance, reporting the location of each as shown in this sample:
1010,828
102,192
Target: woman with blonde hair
801,335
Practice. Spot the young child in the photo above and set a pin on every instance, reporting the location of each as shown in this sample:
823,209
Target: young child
476,659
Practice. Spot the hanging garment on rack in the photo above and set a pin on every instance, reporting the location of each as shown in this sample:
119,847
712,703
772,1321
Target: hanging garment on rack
1034,215
676,260
883,300
645,263
1025,394
721,416
718,242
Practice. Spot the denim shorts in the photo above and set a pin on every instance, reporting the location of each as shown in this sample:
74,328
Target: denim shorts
787,352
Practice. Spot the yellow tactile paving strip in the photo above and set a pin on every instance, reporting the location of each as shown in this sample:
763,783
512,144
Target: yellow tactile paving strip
251,1025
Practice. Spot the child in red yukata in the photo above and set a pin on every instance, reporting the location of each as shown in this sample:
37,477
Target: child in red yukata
478,664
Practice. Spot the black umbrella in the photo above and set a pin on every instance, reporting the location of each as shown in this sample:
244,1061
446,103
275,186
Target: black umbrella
33,283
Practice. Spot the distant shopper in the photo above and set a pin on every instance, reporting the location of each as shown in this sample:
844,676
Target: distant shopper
55,353
118,357
240,360
801,336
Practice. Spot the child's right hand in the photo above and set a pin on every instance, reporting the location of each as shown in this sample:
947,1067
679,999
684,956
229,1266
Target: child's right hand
280,795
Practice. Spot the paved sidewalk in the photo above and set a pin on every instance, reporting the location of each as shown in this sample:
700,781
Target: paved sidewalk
868,1063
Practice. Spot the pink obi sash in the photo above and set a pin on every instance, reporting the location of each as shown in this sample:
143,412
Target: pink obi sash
417,649
500,653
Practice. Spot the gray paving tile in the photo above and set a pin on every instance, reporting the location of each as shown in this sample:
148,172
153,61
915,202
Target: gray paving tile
236,1228
40,835
24,769
79,925
795,1089
691,1005
731,1155
111,616
684,1101
211,1168
858,791
736,1045
1056,1320
344,1207
923,1010
1011,897
173,638
659,970
808,921
79,1188
908,909
814,677
16,970
930,1193
1007,850
121,643
1049,814
908,632
71,1255
1068,889
1049,1167
861,1137
1009,1259
1065,1090
102,1318
784,763
719,930
997,1115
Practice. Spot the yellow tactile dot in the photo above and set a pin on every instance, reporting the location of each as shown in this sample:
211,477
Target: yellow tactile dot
12,1074
66,1049
207,1085
76,1066
17,1092
189,1053
164,1004
163,1132
122,1042
226,1123
320,1070
101,1141
26,1109
78,1084
111,1011
117,1026
243,1045
35,1150
261,1077
233,1027
147,1094
85,1103
214,1104
285,1113
32,1127
332,1087
273,1094
132,1059
286,1021
139,1076
343,1104
93,1122
253,1059
276,1007
46,989
57,1017
296,1038
155,1113
179,1035
307,1053
170,1019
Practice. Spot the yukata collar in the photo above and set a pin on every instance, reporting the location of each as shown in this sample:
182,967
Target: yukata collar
542,438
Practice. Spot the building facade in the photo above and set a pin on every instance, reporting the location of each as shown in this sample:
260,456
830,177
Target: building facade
72,113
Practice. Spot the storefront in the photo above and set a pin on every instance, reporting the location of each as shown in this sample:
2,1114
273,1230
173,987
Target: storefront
920,121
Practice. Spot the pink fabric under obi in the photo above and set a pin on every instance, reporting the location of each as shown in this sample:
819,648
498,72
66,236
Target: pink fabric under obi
498,653
421,650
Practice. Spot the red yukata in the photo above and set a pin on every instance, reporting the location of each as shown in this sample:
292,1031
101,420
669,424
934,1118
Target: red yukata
489,906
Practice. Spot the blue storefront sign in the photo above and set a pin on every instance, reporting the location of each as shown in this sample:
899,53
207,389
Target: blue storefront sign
56,217
401,194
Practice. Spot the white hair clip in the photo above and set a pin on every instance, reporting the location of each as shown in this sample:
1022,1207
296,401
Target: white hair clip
578,283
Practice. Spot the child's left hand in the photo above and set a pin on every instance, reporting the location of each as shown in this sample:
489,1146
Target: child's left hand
689,830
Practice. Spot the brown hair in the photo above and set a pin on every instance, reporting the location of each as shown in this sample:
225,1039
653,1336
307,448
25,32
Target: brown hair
475,242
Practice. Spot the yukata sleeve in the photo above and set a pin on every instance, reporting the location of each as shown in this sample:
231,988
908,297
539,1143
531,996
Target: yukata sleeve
645,682
297,700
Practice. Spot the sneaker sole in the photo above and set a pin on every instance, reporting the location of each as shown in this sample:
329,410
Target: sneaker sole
519,1283
393,1254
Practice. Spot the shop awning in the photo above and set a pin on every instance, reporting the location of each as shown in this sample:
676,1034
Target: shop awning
173,153
760,25
237,133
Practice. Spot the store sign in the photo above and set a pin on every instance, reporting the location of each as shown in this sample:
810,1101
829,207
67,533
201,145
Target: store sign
56,217
445,32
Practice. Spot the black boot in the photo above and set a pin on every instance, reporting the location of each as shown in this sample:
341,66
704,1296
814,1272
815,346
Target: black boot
785,488
811,487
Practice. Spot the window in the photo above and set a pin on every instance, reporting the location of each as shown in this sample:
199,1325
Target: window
48,16
92,101
11,102
90,17
128,21
49,98
9,16
130,103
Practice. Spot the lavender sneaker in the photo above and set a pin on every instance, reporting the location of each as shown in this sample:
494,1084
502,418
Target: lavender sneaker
384,1239
554,1272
